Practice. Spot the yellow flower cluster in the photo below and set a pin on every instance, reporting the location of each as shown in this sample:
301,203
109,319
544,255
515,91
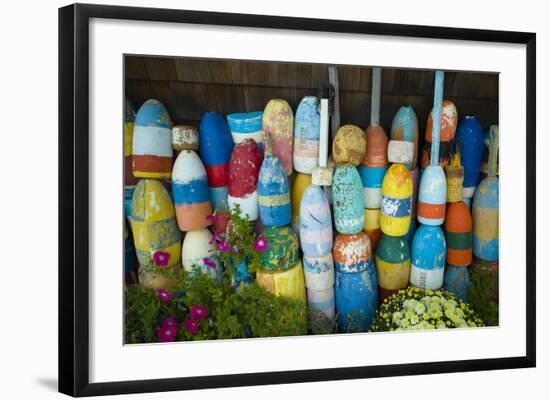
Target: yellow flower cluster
418,309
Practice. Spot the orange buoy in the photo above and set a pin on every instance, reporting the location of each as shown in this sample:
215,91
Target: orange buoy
458,234
449,120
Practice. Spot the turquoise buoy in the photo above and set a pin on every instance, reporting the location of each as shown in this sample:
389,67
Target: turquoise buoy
348,200
428,257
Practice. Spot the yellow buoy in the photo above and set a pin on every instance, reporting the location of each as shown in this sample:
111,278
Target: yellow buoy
397,190
350,145
156,235
285,283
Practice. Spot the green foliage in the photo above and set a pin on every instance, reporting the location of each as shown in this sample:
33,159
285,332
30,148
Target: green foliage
250,311
480,296
240,236
418,309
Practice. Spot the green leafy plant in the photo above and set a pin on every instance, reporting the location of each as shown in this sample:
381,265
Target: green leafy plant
239,243
418,309
481,296
249,312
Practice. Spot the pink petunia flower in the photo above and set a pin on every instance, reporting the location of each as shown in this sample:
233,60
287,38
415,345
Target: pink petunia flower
260,244
166,334
210,263
198,312
161,258
169,322
164,295
191,325
214,238
224,246
213,218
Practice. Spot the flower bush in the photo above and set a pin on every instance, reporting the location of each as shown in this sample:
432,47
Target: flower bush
238,243
202,308
418,309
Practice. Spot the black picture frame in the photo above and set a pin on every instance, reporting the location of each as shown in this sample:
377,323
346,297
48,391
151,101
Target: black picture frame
74,198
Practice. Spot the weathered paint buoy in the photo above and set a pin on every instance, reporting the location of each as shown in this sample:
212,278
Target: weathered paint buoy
322,301
301,182
458,234
404,127
449,120
457,281
372,226
397,190
400,152
376,154
156,235
350,145
315,222
273,193
282,248
454,173
319,272
356,286
432,192
393,263
246,125
348,200
485,208
185,137
284,283
306,136
244,168
415,175
152,155
428,257
432,196
198,254
352,252
277,132
129,119
372,178
190,192
469,137
215,147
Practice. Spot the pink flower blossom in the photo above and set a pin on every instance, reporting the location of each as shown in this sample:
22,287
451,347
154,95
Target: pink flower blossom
166,334
213,218
169,322
191,325
210,263
164,295
235,249
198,312
161,258
223,246
261,243
214,237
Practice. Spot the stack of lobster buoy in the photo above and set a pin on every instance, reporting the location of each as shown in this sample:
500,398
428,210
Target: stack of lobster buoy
428,249
281,268
356,284
340,227
485,211
315,218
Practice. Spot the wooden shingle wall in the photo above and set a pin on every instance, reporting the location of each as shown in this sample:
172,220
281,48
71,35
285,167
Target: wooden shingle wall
190,87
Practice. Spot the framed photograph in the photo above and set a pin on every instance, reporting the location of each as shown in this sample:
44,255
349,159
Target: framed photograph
252,199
